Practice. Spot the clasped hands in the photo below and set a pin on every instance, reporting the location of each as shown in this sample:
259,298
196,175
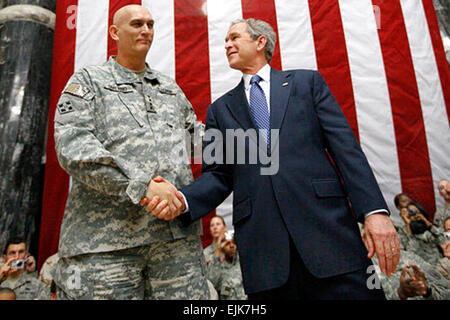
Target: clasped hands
163,200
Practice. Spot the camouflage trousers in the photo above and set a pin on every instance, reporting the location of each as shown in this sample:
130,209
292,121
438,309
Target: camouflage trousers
162,270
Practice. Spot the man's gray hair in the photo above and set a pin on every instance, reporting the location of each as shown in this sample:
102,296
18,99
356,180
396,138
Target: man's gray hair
257,28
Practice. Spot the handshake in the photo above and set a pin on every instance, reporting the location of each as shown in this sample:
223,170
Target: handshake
163,200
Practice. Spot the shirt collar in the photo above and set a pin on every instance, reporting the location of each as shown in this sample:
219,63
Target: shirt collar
124,75
264,73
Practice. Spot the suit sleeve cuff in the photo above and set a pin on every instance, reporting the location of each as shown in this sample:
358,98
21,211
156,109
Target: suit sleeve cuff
186,204
383,211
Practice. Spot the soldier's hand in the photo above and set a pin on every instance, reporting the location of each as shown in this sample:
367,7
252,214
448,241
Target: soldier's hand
30,265
420,284
446,249
405,290
166,201
5,269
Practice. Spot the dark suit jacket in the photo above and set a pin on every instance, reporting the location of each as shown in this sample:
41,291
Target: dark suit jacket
305,198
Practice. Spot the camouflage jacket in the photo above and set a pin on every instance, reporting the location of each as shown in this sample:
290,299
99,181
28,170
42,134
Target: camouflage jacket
227,279
440,216
426,245
114,132
26,287
209,251
435,280
443,267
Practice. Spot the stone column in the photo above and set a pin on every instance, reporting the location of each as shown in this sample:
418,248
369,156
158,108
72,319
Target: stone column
26,48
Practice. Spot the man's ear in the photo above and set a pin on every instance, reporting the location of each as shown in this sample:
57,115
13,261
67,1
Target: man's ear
113,32
262,41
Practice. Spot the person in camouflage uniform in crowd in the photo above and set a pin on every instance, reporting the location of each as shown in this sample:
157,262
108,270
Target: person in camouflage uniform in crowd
25,285
225,274
422,237
118,126
415,278
444,212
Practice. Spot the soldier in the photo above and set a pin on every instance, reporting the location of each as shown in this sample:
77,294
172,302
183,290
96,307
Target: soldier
444,264
444,212
217,228
422,237
13,274
46,277
425,282
224,272
117,126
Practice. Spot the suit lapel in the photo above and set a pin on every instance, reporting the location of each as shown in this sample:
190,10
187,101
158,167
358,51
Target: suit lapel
280,88
238,105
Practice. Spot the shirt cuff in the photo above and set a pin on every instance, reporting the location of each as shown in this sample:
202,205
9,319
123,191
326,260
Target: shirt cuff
383,211
186,204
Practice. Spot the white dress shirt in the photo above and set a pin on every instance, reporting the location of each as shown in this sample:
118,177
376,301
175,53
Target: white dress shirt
264,73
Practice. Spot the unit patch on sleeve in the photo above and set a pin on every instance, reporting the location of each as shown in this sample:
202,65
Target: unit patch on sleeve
65,107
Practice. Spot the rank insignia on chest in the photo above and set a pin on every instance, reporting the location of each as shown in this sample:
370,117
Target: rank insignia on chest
65,107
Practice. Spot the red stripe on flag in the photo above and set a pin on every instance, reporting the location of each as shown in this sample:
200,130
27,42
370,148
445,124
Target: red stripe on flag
192,68
264,10
412,147
334,67
115,5
439,52
56,181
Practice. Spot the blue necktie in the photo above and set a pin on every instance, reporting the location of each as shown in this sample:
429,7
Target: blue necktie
259,109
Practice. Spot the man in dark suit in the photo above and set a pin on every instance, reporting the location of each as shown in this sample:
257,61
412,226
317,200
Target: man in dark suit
296,227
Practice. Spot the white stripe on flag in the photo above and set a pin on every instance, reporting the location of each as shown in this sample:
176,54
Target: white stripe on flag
373,107
223,78
295,35
162,53
430,91
92,33
220,15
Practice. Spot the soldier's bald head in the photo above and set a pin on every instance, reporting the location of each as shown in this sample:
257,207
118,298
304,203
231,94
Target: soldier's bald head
123,14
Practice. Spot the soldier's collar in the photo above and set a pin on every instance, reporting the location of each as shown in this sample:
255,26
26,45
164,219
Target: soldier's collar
123,75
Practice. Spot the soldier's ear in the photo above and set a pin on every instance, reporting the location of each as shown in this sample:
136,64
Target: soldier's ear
113,32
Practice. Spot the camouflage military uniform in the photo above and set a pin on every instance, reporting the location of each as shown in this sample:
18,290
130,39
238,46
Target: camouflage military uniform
46,276
227,278
209,251
443,267
401,232
26,287
114,132
435,280
426,245
440,216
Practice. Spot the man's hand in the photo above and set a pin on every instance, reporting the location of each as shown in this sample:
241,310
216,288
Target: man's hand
5,270
381,238
30,265
446,249
420,284
166,201
419,216
415,285
405,290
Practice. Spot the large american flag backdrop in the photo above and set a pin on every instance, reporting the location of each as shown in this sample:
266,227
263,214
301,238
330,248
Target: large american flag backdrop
383,60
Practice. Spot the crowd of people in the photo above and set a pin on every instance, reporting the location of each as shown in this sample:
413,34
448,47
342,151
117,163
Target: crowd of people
424,268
